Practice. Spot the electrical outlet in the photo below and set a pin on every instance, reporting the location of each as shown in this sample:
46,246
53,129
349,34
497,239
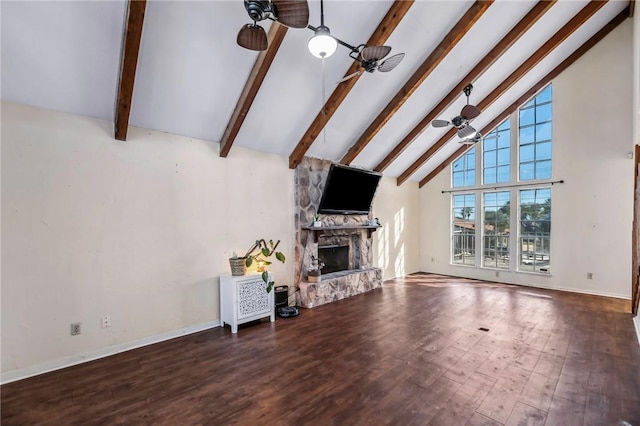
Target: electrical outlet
589,275
106,321
75,328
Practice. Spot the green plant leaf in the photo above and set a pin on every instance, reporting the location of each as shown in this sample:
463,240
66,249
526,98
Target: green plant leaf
248,262
280,256
265,252
265,277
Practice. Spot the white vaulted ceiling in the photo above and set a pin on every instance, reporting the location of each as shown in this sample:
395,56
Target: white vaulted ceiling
66,55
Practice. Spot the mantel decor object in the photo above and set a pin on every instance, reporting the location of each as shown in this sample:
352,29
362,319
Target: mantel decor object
314,274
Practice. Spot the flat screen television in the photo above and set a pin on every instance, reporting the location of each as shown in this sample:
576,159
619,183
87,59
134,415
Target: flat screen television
348,190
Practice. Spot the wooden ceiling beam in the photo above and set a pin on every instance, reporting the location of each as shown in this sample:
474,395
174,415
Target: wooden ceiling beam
632,6
445,46
580,18
252,86
128,66
621,17
391,20
514,35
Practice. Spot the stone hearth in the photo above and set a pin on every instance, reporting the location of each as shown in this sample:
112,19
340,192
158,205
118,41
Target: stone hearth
339,230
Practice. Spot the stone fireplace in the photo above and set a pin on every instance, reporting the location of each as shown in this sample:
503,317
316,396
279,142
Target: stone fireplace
343,243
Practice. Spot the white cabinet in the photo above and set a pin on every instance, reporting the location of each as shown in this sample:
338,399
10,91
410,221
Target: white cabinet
243,299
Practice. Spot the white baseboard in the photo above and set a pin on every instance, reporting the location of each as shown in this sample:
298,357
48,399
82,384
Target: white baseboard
582,291
505,280
23,373
636,321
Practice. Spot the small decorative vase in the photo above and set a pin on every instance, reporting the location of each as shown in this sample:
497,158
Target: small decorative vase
317,224
238,266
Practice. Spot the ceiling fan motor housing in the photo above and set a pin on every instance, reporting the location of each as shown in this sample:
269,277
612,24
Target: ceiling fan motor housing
457,121
369,66
258,9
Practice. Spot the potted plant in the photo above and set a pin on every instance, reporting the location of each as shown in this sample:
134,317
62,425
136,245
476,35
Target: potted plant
314,273
316,221
259,252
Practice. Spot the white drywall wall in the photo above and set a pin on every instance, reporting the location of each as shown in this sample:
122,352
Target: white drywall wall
138,230
396,247
592,210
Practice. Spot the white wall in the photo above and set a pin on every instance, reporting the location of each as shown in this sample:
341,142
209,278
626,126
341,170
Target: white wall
138,230
592,211
396,246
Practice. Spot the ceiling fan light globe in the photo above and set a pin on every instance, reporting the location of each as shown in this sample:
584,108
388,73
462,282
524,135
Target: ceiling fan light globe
322,45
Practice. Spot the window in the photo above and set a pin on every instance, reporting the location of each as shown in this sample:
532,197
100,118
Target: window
496,155
464,229
495,242
535,229
464,169
535,137
513,169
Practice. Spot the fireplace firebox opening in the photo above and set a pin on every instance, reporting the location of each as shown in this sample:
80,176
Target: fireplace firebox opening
334,257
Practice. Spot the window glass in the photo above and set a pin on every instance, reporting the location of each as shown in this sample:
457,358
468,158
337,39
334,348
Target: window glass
464,229
496,217
535,134
535,230
496,156
464,170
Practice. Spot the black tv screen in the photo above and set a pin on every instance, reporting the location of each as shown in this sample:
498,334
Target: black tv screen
348,190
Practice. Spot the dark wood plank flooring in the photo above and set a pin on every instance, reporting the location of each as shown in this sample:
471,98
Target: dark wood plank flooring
409,353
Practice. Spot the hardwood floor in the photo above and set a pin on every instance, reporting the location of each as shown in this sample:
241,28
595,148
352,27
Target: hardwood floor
409,353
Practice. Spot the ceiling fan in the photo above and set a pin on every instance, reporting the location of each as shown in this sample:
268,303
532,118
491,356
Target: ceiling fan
295,14
290,13
371,59
461,122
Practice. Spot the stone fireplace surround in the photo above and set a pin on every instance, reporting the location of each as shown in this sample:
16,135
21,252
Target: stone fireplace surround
310,177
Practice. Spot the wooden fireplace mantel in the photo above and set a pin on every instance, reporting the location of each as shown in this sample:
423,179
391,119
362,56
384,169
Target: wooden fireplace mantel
320,230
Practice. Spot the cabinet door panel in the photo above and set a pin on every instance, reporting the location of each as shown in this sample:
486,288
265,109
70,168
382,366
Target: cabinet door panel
252,298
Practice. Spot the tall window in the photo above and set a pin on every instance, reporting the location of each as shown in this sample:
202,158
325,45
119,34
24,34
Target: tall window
464,170
496,155
464,229
495,243
511,190
535,229
535,137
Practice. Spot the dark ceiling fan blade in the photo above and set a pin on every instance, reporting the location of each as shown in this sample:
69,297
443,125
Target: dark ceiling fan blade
374,53
440,123
351,76
470,112
252,37
466,132
292,13
391,62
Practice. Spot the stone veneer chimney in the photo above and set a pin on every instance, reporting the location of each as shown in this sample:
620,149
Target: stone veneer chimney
310,177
